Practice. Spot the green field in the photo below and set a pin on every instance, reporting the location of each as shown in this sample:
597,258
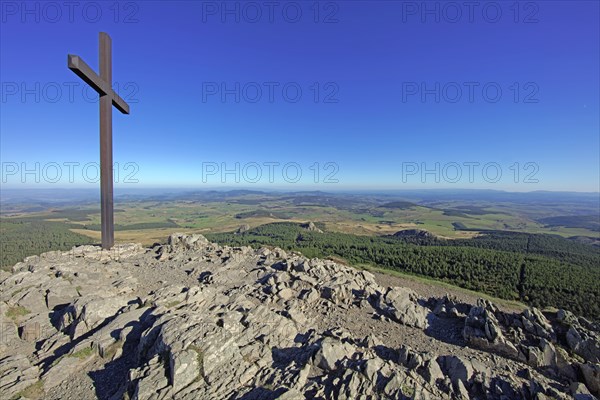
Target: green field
148,219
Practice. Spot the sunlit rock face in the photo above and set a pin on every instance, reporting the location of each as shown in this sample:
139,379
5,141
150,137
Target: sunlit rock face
194,320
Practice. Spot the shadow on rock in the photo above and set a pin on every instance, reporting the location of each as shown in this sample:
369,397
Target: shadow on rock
446,329
111,380
261,393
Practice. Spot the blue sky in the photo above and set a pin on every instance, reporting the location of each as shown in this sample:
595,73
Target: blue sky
379,84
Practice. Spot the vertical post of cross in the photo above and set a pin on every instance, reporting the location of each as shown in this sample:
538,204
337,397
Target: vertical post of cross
103,85
106,162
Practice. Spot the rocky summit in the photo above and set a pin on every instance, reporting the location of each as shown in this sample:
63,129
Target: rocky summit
194,320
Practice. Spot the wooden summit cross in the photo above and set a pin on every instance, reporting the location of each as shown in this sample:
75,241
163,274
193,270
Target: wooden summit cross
103,85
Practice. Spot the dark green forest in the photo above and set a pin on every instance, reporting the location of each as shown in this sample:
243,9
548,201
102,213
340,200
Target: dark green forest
35,235
539,269
29,236
591,222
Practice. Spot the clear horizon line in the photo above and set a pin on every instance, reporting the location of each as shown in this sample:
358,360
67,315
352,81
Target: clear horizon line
289,189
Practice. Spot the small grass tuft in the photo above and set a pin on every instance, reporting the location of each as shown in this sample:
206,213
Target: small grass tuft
200,359
83,353
407,390
173,303
15,312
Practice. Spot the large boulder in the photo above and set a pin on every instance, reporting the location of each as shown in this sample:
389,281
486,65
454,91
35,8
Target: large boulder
542,355
331,352
457,369
88,313
584,343
310,226
180,241
243,228
338,293
591,377
536,323
185,368
401,304
482,330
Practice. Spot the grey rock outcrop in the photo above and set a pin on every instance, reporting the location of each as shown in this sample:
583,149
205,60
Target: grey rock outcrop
483,330
243,228
330,352
402,304
310,226
195,320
